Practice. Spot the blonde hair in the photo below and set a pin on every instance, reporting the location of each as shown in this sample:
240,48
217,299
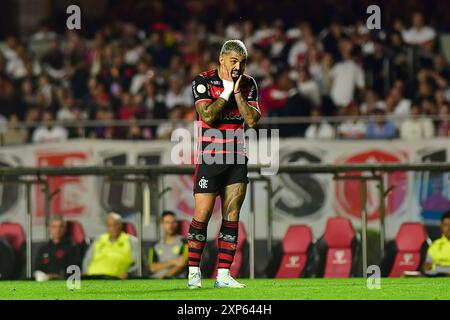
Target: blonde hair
234,46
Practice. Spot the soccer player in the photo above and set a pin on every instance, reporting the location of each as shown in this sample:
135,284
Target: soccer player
225,99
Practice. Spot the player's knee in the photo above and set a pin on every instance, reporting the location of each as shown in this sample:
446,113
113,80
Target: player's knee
202,215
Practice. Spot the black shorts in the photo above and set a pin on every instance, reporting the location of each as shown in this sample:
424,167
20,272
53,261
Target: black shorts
212,178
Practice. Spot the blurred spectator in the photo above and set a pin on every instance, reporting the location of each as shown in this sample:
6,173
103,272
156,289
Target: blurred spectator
347,76
177,95
3,124
354,128
164,131
416,127
139,79
419,33
48,132
438,255
371,102
379,127
131,107
308,87
14,135
275,96
320,129
53,61
444,124
57,254
168,257
113,254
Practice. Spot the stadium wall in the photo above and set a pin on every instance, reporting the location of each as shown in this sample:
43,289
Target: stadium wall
302,198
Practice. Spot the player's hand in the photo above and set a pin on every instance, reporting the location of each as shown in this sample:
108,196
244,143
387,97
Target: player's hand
180,261
123,275
237,85
427,266
226,74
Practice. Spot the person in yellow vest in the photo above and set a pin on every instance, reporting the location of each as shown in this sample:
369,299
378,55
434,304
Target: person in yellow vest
438,256
113,254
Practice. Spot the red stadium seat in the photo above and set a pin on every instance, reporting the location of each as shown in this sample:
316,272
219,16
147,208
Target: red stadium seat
183,227
14,234
239,263
129,228
407,252
294,252
337,249
76,232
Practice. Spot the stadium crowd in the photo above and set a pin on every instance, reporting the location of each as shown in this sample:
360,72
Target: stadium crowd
128,72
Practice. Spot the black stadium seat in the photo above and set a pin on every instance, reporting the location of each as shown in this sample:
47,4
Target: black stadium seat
293,256
7,260
336,252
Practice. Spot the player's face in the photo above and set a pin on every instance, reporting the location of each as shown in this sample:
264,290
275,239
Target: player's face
445,228
56,230
113,227
235,63
169,225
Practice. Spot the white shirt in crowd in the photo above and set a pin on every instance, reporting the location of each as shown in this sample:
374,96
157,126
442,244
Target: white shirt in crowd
347,75
402,108
418,128
183,98
137,82
415,36
310,89
44,134
352,129
324,131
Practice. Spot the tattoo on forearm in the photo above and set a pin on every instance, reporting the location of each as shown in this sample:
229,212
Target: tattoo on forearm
250,114
209,112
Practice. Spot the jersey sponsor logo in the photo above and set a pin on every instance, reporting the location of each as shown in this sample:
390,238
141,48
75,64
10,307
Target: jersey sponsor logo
203,183
231,116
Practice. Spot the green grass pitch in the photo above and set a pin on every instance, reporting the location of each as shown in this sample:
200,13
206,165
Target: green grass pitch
270,289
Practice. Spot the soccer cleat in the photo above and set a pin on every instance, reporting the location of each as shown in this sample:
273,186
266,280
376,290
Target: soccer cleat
194,278
225,280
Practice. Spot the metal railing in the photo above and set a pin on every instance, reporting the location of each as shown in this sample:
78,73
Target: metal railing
145,174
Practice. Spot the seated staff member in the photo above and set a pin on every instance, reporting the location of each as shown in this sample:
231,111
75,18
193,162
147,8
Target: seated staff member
168,257
438,256
57,254
113,254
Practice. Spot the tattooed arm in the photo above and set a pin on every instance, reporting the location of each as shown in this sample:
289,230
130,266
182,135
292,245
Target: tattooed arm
249,111
209,112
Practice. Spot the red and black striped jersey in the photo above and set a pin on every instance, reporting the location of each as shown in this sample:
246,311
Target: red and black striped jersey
207,87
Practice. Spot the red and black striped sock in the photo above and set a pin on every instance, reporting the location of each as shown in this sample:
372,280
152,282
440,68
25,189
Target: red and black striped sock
228,239
196,241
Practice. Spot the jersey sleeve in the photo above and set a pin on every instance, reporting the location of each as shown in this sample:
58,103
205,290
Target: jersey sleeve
201,90
252,97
